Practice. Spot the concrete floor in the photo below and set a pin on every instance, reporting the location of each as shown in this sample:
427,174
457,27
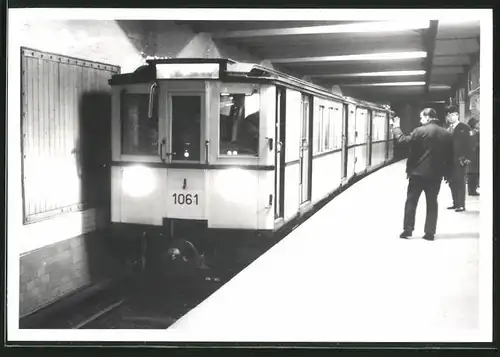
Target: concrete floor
345,275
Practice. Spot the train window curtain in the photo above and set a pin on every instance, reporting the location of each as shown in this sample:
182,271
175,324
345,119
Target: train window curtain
65,128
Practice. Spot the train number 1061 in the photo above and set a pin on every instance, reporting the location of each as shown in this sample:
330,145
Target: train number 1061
185,199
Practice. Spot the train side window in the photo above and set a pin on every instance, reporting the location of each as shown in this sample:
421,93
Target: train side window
380,127
337,128
239,124
383,127
321,119
326,130
139,132
331,129
316,130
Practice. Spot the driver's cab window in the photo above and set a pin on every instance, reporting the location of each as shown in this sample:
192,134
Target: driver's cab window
139,131
186,127
239,124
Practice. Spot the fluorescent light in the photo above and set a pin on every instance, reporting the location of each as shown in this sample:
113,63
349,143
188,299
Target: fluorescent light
374,74
364,57
386,26
457,21
376,26
438,86
386,84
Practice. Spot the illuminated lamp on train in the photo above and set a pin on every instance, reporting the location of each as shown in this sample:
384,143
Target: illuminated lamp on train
138,181
237,185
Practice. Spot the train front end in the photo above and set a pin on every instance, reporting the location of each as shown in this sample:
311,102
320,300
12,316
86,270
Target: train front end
192,170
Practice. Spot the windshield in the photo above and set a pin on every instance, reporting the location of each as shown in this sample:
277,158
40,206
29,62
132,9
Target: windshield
139,132
239,124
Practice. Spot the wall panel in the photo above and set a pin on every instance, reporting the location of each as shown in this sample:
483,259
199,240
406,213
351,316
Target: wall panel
64,123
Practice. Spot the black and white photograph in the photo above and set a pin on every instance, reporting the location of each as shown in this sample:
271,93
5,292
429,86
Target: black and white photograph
249,175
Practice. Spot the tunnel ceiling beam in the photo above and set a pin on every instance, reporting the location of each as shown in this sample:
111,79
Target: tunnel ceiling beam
430,44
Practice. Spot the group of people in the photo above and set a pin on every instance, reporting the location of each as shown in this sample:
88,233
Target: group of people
437,152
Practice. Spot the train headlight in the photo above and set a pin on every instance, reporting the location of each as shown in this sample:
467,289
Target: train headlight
138,181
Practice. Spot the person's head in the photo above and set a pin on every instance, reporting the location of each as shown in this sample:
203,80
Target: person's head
427,115
452,115
473,123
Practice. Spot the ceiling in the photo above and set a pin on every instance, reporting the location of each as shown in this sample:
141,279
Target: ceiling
313,50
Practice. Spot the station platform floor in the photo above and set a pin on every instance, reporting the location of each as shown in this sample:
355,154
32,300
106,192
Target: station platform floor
344,275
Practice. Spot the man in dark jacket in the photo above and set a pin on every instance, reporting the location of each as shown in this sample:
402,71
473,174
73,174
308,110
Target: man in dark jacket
461,157
429,160
473,166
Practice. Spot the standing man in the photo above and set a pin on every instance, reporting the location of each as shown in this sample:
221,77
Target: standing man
461,157
473,166
429,160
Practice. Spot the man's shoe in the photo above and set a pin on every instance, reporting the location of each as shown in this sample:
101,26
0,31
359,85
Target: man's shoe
428,236
405,234
451,207
460,209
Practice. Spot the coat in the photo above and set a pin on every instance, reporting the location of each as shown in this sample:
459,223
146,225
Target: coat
473,166
430,151
462,148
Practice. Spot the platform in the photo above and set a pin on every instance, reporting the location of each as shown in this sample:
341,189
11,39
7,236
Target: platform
345,275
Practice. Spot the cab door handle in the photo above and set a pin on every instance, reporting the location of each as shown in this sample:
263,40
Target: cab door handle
161,147
206,150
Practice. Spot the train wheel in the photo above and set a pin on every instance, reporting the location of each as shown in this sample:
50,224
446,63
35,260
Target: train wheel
181,258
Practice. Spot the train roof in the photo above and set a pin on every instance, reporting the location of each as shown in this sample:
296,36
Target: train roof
224,69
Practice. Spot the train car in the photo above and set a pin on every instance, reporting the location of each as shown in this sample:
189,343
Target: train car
212,159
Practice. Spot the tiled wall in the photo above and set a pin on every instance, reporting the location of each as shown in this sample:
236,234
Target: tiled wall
55,270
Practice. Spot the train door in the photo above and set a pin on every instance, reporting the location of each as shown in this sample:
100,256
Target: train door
389,152
305,152
369,135
185,128
184,147
351,139
360,141
279,178
345,110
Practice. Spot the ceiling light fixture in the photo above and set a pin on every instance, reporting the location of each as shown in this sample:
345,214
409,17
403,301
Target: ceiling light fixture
457,21
438,86
373,74
354,27
362,57
386,84
385,26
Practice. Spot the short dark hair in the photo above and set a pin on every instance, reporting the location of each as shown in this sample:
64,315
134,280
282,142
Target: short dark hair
472,123
429,112
452,109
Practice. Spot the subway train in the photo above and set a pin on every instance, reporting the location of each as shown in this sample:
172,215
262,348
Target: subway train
213,159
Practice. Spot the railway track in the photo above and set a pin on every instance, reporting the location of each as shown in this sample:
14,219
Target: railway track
150,310
129,314
138,304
